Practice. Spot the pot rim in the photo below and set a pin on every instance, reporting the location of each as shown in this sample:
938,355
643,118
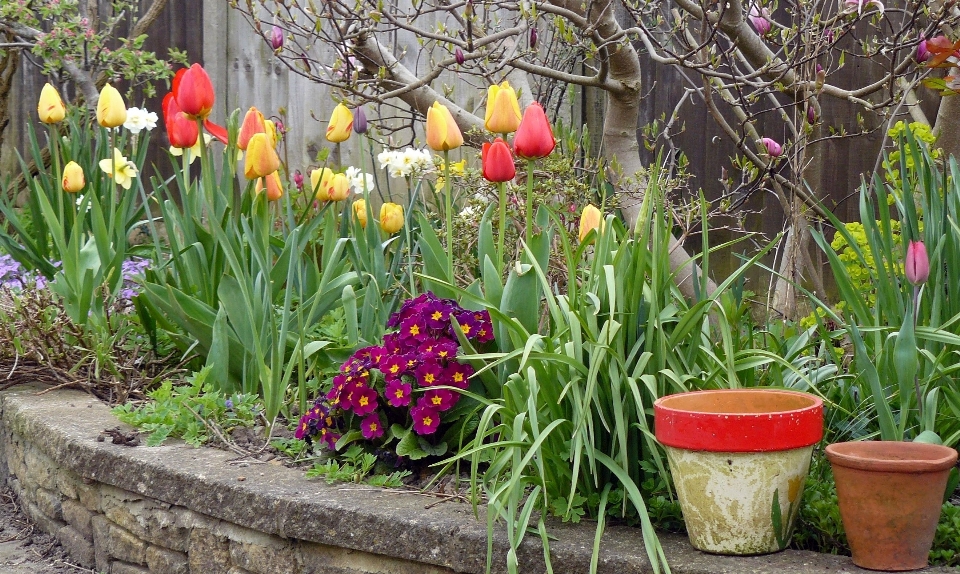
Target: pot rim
892,456
722,426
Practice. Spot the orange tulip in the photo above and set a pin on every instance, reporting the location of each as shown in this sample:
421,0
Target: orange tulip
274,187
360,210
73,180
262,159
50,107
503,110
111,111
534,137
391,217
590,219
443,134
341,124
194,91
253,123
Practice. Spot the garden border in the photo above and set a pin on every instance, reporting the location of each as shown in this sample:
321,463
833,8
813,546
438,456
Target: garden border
177,509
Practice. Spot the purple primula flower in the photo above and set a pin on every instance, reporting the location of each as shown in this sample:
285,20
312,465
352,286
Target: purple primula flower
430,373
438,314
425,419
440,399
457,374
364,401
413,328
398,393
437,349
371,427
393,366
468,324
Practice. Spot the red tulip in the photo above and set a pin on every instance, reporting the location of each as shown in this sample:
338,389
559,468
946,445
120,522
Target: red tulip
497,161
917,265
194,91
181,130
534,138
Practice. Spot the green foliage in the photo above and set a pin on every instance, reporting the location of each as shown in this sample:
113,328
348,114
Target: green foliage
819,527
946,541
356,465
187,411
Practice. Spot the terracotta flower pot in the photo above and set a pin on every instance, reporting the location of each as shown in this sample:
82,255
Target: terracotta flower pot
890,494
739,459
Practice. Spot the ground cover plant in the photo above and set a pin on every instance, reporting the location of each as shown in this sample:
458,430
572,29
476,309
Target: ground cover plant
526,357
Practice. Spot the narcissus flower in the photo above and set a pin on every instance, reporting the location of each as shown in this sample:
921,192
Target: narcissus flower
181,130
73,180
861,4
534,137
253,123
50,107
139,119
497,161
341,124
360,210
125,170
194,91
773,148
917,265
262,159
443,134
503,111
274,186
590,219
111,111
391,217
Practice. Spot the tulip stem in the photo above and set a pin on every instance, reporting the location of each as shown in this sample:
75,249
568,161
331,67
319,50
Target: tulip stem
916,377
447,184
55,155
502,223
529,202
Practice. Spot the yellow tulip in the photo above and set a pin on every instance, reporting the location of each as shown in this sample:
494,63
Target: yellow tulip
111,111
262,159
360,209
50,108
318,181
590,219
337,188
125,170
391,217
73,180
443,134
271,128
503,110
341,124
274,187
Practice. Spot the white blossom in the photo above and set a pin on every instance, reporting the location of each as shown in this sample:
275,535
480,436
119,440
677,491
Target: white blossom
139,119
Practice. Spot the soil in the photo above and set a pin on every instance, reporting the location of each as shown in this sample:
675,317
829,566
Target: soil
24,548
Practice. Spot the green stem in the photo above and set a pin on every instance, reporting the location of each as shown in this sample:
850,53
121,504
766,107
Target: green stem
528,228
916,377
502,223
448,186
55,156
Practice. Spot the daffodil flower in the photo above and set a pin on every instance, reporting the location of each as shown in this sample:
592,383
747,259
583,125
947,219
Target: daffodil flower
125,169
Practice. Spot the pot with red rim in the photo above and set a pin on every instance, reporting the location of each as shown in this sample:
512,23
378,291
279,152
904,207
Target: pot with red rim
739,459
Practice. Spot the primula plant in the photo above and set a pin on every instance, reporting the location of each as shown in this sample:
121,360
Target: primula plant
405,392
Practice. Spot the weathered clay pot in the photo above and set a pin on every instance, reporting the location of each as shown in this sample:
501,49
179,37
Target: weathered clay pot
739,459
890,494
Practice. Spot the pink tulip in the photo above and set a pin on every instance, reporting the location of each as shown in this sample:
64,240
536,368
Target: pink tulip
773,148
917,265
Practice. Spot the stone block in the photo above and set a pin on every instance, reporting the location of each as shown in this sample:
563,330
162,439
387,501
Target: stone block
208,553
237,570
76,515
47,524
78,546
265,555
101,542
149,519
67,483
49,503
40,469
118,567
163,561
126,546
323,559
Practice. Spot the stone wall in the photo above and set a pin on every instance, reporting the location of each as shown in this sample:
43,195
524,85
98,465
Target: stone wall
177,510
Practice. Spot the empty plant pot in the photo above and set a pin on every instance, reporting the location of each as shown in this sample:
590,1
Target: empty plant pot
890,494
739,459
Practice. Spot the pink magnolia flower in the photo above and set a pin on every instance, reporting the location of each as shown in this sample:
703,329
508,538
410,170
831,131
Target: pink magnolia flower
861,4
760,18
923,54
773,148
917,265
276,38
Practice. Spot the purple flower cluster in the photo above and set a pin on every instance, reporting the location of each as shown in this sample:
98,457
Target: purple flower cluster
419,358
14,276
131,269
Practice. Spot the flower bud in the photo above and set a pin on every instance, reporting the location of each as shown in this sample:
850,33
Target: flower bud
773,148
458,54
111,111
360,121
917,265
276,38
391,217
50,108
533,38
360,210
73,180
590,219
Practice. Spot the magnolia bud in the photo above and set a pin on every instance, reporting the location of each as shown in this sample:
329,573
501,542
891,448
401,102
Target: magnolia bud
533,38
276,38
360,120
458,54
811,114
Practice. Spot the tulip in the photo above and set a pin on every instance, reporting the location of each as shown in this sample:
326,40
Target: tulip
923,54
196,150
125,170
181,131
917,265
773,148
341,124
336,187
274,187
253,123
73,180
503,111
443,134
318,181
50,108
298,180
360,121
262,159
271,130
276,38
497,161
391,217
534,137
360,210
194,91
111,111
590,219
